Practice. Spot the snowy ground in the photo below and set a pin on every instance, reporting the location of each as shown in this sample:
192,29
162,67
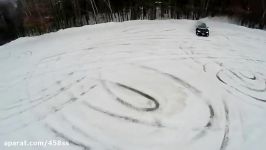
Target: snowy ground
138,85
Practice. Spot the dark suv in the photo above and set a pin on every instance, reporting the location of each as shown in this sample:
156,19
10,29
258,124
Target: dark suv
202,30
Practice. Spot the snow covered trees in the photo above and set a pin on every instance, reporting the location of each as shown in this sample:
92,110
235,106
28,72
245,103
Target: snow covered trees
68,13
41,16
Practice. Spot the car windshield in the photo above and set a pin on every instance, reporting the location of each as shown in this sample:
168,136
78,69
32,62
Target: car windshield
202,25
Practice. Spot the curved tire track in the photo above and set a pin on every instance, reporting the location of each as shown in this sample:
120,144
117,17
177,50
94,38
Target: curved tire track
218,76
122,101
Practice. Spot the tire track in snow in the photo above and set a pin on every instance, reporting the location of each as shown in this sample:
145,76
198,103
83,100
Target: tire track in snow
177,79
251,78
37,102
187,86
52,109
67,138
111,55
122,101
234,77
225,140
77,130
126,118
209,124
26,101
148,97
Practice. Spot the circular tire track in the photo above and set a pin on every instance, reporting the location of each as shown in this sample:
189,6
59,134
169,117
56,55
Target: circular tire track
156,105
236,81
124,102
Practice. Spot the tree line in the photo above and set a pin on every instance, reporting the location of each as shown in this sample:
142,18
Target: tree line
34,17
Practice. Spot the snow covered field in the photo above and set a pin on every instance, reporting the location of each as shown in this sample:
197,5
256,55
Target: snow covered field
138,85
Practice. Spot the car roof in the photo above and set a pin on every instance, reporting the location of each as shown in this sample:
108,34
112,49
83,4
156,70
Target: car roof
202,25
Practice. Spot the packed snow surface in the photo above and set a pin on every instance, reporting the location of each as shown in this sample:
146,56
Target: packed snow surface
138,85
